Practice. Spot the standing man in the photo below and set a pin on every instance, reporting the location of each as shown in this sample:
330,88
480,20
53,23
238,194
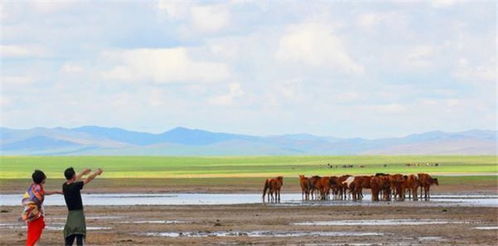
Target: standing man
75,227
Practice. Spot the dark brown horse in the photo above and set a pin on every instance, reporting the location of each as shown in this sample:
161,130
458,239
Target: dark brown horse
273,186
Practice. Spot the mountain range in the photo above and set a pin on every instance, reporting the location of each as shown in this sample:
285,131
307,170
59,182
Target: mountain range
180,141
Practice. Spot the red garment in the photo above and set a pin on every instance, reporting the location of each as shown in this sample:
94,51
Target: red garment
35,229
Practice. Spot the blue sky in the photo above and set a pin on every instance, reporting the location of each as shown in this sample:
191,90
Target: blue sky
338,68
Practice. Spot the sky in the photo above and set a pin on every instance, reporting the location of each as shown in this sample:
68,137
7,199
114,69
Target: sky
331,68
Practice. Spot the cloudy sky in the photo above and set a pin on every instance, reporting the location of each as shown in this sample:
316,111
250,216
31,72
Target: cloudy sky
367,69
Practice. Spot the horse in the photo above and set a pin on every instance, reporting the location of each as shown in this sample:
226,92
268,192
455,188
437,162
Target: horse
381,188
313,186
273,185
411,184
425,183
342,187
305,187
323,186
357,186
397,188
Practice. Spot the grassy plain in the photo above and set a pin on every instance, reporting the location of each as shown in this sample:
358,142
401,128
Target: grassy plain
18,167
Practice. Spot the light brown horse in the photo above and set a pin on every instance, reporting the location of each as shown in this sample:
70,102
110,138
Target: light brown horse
305,187
425,183
273,186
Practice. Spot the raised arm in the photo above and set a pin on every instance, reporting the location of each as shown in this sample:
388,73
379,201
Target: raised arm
82,173
92,176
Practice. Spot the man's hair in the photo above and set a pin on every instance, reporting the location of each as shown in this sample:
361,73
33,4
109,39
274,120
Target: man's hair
38,176
69,173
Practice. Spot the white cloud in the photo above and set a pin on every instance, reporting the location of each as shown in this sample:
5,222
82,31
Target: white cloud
420,56
234,91
162,66
444,3
315,45
71,68
20,51
476,73
392,108
210,18
206,18
16,80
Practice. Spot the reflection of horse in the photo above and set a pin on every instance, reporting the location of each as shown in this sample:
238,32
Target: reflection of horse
425,182
273,185
305,187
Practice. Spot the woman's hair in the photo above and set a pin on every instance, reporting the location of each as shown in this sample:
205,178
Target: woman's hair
38,176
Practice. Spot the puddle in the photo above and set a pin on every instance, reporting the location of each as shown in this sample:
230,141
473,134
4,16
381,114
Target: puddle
154,222
376,222
260,234
50,227
430,239
486,227
105,217
290,199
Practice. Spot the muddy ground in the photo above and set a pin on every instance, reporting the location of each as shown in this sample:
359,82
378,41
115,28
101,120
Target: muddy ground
227,185
125,225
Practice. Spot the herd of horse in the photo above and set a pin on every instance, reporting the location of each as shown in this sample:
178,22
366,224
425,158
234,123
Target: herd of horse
384,187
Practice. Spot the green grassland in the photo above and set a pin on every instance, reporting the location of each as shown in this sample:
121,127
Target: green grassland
21,167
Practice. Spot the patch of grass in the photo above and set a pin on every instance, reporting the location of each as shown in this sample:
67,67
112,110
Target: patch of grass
15,167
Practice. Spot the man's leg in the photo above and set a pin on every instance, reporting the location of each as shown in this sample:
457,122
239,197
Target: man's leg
70,240
79,240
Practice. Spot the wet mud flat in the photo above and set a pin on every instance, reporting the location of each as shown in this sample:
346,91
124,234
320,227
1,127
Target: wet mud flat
264,224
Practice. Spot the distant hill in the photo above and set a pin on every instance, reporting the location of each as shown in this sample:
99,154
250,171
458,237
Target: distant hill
95,140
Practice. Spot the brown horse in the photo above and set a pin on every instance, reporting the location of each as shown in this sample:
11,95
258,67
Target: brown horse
357,186
273,185
425,183
381,188
313,186
323,186
343,187
397,187
411,184
305,187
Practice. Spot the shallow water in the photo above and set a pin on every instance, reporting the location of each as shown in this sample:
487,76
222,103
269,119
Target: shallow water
260,234
154,222
386,222
291,199
50,226
486,227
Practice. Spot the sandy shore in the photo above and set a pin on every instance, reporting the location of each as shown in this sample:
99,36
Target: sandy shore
236,224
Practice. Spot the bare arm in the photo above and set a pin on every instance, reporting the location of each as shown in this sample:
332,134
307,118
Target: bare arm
82,173
92,176
48,193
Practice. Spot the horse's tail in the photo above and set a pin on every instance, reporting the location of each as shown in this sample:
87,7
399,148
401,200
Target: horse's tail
267,186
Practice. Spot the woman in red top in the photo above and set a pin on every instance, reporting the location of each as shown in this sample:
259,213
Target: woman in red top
33,207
